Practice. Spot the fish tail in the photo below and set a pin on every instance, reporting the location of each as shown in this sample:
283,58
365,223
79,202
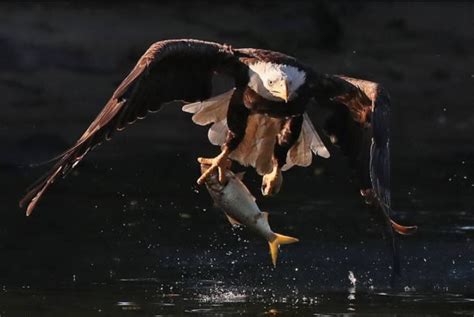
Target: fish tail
275,244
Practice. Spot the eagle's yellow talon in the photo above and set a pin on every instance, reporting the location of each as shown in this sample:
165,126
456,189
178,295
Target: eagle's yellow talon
221,172
220,162
271,183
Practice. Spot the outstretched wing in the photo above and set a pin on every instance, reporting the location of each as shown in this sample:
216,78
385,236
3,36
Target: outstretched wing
360,126
350,124
168,71
374,149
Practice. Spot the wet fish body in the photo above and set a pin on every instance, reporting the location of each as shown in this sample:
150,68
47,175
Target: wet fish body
240,207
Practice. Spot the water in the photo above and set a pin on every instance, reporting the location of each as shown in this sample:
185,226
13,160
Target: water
143,297
170,253
97,246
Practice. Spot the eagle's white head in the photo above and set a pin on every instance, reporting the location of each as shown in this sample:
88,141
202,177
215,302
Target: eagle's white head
275,81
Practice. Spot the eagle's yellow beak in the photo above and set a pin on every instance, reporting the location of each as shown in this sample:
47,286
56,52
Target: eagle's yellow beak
282,90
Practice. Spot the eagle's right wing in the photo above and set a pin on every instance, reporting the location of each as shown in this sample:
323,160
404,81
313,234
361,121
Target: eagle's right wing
168,71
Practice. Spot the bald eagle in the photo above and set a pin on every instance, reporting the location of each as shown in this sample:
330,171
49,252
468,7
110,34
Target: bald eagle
261,122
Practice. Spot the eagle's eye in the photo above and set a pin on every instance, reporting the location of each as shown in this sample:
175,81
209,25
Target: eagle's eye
270,82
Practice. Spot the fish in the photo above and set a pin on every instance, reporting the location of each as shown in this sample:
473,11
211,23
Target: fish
240,207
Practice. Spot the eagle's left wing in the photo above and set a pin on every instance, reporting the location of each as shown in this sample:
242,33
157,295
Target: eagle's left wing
168,71
360,126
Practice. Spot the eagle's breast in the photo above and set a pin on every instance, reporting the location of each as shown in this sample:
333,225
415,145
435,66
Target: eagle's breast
257,147
264,123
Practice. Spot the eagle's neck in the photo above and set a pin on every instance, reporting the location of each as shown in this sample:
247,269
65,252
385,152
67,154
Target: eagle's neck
279,109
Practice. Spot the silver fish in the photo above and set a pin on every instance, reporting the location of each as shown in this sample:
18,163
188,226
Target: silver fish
240,207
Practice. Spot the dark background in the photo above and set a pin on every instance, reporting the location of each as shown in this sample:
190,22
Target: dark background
132,209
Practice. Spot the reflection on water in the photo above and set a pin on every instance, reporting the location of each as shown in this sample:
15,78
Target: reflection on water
215,299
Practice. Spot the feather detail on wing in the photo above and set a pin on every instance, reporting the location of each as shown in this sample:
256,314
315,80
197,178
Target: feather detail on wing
213,110
257,147
217,133
309,142
171,70
210,110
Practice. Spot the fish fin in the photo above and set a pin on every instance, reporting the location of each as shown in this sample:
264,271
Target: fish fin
240,176
275,244
232,221
403,230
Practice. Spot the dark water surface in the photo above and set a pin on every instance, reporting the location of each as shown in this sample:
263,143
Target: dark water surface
177,255
149,297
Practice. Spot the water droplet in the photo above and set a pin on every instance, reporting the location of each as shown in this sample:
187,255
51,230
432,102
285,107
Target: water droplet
352,278
409,289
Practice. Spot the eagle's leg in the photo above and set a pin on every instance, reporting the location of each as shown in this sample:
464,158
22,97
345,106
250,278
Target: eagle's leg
237,115
289,134
271,182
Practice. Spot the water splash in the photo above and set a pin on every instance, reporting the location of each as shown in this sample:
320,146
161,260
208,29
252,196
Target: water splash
352,279
220,295
352,290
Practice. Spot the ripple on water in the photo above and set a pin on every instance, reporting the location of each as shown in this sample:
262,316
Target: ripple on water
466,228
125,305
431,298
